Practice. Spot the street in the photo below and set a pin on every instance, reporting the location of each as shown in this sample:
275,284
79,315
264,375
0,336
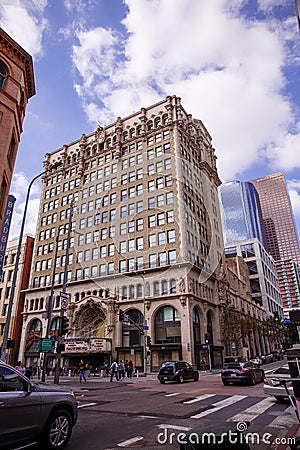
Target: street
142,413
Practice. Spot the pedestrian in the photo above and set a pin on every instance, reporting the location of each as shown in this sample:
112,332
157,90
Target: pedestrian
28,372
20,367
81,371
130,368
121,370
127,368
114,371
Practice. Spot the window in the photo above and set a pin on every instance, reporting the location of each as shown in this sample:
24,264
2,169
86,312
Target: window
164,287
123,227
122,247
168,164
170,216
139,243
152,240
152,260
150,169
172,256
160,201
123,211
151,221
151,203
139,262
139,206
3,74
139,225
131,226
110,268
159,166
151,186
139,189
169,198
131,209
123,194
162,259
156,288
171,236
161,238
122,266
131,245
103,251
172,286
159,183
160,219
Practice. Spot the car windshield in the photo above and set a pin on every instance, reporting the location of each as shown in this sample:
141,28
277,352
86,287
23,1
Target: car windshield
233,365
167,363
282,370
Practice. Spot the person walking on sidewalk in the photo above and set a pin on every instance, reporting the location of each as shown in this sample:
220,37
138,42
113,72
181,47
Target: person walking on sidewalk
114,371
81,371
121,370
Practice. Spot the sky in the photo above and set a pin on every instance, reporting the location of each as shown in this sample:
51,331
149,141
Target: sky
234,63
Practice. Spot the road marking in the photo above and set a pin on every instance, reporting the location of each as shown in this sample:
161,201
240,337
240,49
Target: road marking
172,395
220,405
253,411
198,399
174,427
130,441
147,417
86,404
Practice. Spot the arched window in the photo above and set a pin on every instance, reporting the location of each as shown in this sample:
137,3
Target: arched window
3,74
167,326
196,326
131,335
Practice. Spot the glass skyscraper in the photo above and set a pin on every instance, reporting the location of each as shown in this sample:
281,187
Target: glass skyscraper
240,212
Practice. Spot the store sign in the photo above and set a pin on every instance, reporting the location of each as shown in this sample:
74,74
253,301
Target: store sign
93,345
5,230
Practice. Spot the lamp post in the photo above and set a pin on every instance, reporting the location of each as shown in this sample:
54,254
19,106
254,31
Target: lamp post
17,260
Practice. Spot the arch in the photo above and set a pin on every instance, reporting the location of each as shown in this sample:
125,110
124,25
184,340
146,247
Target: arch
33,336
90,320
131,334
3,74
167,325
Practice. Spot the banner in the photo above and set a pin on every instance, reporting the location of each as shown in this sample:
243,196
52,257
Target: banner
5,230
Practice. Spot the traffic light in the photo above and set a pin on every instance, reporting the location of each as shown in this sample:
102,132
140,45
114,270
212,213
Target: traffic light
10,343
121,315
276,316
64,325
206,338
148,341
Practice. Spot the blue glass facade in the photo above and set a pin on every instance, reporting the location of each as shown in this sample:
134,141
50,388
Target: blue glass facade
240,212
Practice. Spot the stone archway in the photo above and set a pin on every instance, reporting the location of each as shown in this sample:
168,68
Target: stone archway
90,320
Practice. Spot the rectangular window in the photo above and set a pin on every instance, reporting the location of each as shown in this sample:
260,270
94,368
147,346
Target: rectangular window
122,266
139,262
161,238
160,219
131,226
139,190
131,245
139,206
152,240
172,256
150,169
168,164
123,227
131,209
139,243
151,186
103,251
152,261
160,201
151,203
151,221
162,259
122,247
159,167
171,236
123,211
170,216
139,225
112,231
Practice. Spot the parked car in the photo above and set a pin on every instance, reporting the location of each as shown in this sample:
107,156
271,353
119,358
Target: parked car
242,372
256,361
233,359
273,382
177,371
34,413
277,355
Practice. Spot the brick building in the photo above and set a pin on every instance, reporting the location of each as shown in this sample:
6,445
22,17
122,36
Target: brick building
16,87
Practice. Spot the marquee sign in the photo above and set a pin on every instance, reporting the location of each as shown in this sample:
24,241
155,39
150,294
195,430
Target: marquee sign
92,345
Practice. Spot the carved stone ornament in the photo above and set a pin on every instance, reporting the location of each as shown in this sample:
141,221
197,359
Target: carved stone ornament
100,135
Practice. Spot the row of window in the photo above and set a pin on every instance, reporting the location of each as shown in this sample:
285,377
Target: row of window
160,259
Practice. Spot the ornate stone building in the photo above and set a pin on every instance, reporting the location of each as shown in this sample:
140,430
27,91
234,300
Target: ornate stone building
141,200
16,87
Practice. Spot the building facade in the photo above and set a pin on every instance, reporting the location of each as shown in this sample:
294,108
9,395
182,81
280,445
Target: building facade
141,200
16,88
240,211
289,282
264,284
281,234
15,326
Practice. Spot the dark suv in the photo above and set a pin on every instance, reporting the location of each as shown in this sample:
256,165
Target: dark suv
34,413
177,371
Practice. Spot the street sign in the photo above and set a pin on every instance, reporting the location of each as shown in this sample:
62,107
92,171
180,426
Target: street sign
146,327
64,300
45,345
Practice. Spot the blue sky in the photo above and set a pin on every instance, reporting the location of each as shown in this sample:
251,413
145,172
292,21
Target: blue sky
234,63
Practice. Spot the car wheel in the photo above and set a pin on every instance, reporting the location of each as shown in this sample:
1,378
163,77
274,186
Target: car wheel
196,377
162,381
225,382
57,431
180,379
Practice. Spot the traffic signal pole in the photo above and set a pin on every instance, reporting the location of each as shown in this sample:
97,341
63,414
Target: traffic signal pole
62,311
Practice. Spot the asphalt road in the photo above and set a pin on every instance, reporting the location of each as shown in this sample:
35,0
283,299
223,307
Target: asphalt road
142,413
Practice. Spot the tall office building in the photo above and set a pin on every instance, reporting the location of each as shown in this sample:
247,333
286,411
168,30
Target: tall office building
240,212
16,87
281,234
141,197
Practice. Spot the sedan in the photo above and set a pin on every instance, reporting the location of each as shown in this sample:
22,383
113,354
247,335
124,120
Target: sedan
177,371
244,372
273,384
34,413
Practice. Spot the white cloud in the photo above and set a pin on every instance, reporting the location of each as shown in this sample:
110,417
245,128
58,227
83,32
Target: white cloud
226,69
23,20
267,5
19,188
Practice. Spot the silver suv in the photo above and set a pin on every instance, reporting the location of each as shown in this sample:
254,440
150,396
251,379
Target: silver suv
34,413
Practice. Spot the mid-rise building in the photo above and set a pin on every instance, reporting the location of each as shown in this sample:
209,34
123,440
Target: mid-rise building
16,88
146,240
264,282
15,326
289,282
281,233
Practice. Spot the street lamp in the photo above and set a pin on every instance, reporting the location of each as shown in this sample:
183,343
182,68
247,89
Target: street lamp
15,274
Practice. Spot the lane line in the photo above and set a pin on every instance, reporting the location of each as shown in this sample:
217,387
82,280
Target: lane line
130,441
86,404
174,427
172,395
220,405
198,399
